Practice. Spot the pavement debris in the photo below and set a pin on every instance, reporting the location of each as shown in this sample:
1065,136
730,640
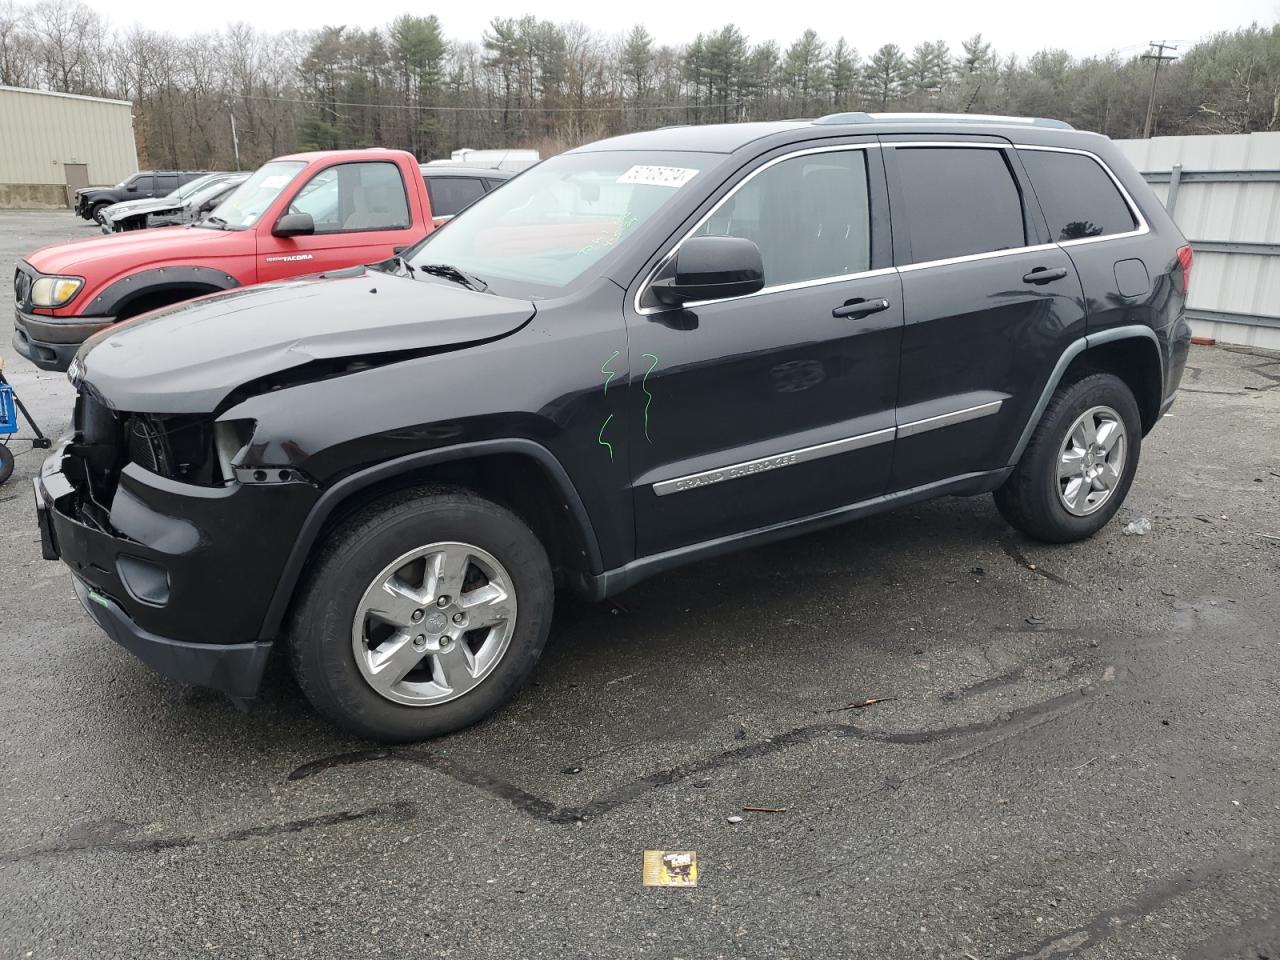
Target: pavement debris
1138,527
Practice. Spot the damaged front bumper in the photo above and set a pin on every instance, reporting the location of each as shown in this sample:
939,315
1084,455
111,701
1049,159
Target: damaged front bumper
181,576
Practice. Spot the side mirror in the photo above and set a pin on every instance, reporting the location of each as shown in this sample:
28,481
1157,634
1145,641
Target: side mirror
131,188
711,268
294,225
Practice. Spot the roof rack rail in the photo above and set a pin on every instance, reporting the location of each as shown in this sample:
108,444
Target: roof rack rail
860,117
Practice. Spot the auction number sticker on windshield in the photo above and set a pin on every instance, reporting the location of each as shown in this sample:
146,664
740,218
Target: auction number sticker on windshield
674,177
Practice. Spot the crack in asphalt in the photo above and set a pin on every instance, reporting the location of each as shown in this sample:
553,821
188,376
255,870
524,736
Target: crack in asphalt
399,809
539,808
1011,550
1104,925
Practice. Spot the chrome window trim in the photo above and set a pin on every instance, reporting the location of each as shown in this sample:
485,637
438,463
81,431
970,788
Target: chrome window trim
747,468
948,419
1142,226
797,285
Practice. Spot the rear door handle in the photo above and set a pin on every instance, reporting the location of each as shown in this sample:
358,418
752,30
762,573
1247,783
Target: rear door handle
852,309
1044,275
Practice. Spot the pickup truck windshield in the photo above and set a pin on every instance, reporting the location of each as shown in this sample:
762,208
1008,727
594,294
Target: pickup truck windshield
537,234
251,199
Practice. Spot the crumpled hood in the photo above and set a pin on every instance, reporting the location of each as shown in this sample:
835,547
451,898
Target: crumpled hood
133,208
187,358
138,248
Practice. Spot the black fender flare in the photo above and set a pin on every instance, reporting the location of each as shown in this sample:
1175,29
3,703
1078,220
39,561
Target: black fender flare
1133,331
110,301
335,495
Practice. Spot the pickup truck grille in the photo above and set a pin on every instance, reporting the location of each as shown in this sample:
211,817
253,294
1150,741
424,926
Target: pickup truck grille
22,288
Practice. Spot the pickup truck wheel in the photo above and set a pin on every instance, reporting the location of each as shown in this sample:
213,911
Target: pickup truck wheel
425,612
96,213
1078,467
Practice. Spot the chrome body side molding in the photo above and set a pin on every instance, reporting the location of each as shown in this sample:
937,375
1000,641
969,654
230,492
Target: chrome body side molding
750,467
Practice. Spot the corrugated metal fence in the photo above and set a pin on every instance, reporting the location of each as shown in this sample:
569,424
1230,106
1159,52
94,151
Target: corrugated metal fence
1224,194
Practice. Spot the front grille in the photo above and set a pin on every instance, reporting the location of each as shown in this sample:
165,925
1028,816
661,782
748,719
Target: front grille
98,447
22,288
147,447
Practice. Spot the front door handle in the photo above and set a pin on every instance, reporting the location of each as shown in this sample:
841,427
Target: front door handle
1044,275
852,309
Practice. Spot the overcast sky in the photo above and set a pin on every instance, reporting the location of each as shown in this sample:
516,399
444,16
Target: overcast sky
1084,27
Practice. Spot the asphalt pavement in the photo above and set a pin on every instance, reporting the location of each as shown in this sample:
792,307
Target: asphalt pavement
1077,752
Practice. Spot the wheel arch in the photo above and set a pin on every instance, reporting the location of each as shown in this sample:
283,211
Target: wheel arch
1132,353
517,473
116,298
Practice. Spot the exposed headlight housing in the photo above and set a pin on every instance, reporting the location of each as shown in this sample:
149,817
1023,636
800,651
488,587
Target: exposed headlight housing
55,291
230,437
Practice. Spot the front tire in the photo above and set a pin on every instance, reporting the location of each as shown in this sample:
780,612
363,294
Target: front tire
424,613
1079,464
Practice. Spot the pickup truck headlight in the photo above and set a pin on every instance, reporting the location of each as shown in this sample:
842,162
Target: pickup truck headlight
55,291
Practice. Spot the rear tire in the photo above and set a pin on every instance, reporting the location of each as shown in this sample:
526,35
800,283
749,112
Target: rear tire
1079,464
379,597
6,463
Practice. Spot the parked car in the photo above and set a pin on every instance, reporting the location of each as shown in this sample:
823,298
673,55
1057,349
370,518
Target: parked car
133,214
642,352
299,214
169,211
453,187
143,185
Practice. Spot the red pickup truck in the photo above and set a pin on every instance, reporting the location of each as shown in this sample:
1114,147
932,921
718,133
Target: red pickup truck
300,214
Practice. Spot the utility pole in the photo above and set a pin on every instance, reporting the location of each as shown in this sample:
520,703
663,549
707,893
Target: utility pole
1156,53
235,139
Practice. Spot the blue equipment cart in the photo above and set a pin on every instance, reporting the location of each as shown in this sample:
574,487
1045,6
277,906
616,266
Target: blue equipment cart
10,406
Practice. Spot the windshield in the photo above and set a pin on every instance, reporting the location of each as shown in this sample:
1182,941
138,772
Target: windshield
188,189
250,200
209,191
544,229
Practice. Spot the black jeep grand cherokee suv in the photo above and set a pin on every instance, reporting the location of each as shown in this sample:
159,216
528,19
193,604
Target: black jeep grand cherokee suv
646,351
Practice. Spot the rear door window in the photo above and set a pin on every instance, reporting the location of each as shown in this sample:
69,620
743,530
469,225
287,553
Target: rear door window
1079,199
449,195
166,183
958,201
809,215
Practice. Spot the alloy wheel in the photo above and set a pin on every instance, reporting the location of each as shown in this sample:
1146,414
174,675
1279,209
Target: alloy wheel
434,623
1091,460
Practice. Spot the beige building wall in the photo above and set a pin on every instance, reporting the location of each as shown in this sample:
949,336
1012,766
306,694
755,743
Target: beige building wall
42,131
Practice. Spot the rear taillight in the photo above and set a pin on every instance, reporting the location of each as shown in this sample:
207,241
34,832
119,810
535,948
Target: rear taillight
1185,257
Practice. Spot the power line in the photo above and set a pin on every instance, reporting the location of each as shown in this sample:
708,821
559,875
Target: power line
1159,57
493,108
